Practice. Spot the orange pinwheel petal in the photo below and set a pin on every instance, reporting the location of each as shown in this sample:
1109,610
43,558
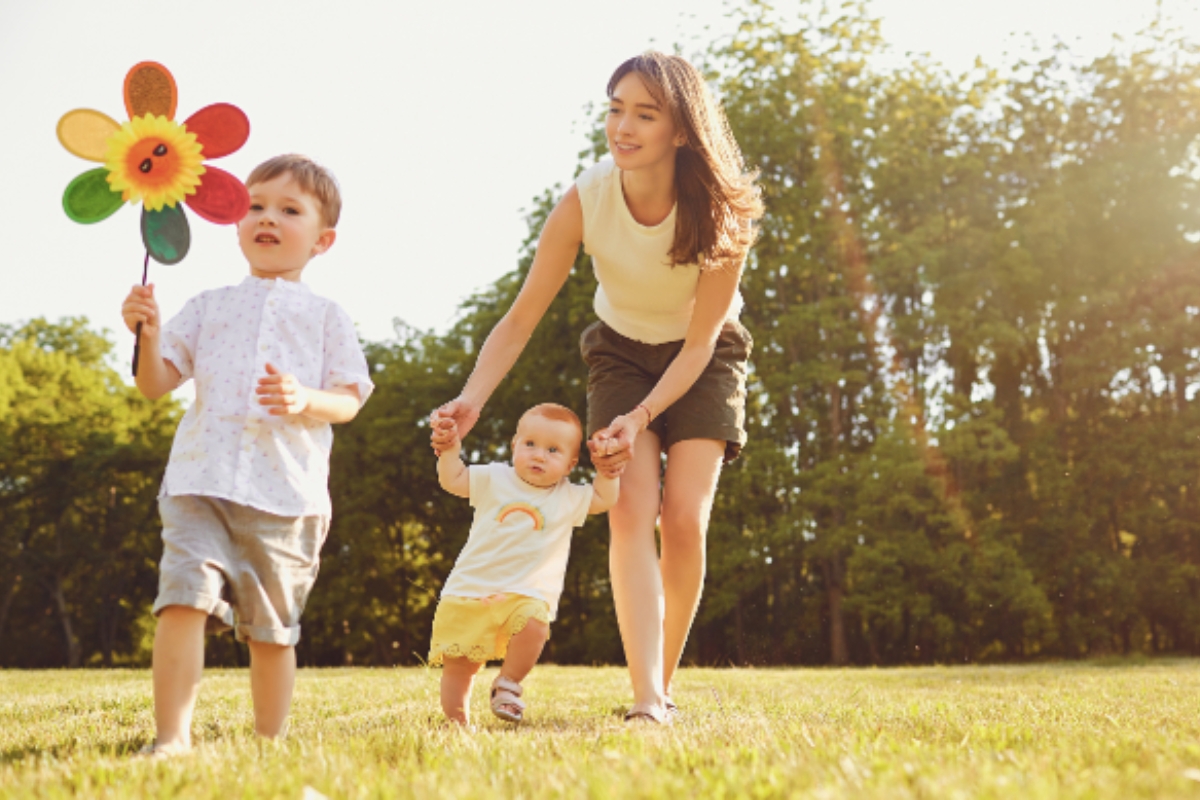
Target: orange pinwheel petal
150,89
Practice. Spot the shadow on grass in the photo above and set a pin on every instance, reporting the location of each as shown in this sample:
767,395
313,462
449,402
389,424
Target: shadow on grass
16,755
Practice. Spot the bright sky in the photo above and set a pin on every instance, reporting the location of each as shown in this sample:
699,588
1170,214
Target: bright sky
442,121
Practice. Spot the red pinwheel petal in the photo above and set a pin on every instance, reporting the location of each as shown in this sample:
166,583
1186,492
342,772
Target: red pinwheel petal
220,197
150,89
222,129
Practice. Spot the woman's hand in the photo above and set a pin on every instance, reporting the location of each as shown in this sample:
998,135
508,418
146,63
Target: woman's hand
612,447
451,423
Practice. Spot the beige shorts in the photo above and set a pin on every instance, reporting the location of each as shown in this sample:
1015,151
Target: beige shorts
250,570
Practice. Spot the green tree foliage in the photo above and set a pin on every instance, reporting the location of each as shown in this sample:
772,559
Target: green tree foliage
972,406
81,455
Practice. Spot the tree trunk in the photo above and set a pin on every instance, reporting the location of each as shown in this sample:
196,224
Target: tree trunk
839,655
60,603
9,595
739,636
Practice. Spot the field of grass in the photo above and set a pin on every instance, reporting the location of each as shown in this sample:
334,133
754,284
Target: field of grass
1094,730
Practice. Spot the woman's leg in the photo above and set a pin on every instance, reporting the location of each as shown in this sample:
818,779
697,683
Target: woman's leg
689,485
272,679
458,675
633,570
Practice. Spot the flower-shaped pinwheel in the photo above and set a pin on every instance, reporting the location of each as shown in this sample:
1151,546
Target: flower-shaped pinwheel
154,159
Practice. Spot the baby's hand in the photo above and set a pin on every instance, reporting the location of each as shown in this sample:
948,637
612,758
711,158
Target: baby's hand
282,392
140,306
445,433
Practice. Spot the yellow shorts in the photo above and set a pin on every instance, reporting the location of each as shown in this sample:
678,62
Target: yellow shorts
479,627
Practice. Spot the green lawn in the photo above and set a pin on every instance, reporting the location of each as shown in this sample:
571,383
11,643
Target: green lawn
1064,730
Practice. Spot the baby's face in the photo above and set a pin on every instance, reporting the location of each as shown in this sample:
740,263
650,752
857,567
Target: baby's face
544,450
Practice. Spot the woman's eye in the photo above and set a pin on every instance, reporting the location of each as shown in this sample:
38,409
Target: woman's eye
614,111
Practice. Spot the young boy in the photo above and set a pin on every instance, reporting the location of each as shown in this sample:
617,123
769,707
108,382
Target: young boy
503,591
244,502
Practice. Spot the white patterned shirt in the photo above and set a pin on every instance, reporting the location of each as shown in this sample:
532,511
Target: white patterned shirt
227,444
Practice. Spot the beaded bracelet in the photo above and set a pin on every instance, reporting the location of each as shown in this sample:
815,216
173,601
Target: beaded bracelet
649,416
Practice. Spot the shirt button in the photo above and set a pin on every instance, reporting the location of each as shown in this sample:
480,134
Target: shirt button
262,347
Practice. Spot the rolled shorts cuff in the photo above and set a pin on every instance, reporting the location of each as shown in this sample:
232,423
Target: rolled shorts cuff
288,637
220,613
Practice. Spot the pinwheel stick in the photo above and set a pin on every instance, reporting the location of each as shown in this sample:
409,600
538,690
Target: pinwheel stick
137,341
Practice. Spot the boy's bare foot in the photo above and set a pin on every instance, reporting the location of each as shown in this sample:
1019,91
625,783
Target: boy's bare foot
156,750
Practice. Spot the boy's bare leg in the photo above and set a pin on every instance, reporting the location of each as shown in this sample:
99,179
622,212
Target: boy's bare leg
458,676
524,650
272,679
178,665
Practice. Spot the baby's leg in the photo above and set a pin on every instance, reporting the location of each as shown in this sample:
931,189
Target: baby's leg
178,665
272,678
458,675
524,650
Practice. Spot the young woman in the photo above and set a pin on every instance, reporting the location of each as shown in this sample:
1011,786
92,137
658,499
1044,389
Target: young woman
668,222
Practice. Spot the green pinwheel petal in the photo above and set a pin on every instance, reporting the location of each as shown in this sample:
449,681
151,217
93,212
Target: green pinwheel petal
166,234
89,198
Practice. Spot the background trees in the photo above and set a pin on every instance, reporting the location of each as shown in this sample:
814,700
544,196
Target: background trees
973,414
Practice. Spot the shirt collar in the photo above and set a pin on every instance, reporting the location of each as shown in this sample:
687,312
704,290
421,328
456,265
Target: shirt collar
276,283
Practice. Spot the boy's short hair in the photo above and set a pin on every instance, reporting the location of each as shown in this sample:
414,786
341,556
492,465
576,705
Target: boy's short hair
557,413
313,178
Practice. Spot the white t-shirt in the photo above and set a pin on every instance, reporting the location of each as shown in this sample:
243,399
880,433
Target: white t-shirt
520,538
227,444
640,296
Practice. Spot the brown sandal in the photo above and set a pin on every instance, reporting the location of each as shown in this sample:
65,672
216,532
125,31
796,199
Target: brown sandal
644,712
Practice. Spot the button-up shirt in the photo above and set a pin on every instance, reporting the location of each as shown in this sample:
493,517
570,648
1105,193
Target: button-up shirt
228,445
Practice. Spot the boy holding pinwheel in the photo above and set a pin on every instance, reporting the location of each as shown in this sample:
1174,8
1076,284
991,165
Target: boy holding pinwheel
244,502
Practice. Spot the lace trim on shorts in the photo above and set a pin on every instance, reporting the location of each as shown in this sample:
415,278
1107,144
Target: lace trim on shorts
475,653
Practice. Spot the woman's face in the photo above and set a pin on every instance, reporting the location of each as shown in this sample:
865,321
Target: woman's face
640,131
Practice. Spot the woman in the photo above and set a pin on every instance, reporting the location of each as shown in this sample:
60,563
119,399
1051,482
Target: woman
668,222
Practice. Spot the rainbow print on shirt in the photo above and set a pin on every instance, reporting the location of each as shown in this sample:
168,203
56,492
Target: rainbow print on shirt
539,521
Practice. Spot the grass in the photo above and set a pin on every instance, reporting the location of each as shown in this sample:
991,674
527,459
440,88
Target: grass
1096,730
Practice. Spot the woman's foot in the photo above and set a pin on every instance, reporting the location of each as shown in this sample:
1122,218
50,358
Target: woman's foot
647,712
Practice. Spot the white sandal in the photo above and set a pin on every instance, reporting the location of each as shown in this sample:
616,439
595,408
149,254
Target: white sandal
506,695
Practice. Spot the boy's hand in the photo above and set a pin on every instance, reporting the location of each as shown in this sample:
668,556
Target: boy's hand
445,434
281,392
140,306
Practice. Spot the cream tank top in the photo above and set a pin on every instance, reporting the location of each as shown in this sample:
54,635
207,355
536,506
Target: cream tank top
640,295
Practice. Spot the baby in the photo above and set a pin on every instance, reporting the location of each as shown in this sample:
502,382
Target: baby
503,591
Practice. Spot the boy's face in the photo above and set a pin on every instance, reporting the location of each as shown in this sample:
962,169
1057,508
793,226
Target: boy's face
282,230
544,450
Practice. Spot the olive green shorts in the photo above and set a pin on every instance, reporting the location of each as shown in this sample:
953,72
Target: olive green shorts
622,371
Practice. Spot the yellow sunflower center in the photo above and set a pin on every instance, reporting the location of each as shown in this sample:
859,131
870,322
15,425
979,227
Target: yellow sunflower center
154,160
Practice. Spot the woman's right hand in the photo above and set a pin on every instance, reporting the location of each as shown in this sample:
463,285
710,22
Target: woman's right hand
463,416
612,447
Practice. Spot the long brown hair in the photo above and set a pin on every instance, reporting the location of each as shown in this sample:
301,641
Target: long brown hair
718,199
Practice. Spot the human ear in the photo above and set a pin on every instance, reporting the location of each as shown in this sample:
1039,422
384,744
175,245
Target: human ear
324,241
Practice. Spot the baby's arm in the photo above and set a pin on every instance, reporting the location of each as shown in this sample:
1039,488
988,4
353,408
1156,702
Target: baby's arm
452,472
155,375
605,491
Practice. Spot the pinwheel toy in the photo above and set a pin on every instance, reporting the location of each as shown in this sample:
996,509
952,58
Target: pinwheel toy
157,161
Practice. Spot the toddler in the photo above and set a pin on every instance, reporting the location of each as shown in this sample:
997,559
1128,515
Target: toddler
503,591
